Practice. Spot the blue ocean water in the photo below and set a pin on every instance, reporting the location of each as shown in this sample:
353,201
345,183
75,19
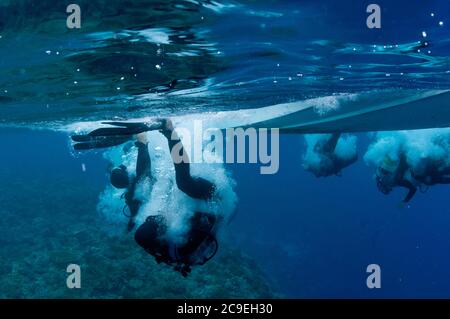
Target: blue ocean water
317,236
303,236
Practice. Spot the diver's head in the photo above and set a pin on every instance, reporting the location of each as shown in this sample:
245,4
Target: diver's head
119,177
385,176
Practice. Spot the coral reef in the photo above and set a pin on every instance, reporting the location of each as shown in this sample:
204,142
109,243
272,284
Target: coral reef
44,229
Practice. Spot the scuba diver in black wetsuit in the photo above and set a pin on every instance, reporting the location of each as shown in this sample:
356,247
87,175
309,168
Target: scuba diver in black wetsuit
200,243
391,174
330,163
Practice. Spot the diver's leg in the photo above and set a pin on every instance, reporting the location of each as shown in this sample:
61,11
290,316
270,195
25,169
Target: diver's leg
195,187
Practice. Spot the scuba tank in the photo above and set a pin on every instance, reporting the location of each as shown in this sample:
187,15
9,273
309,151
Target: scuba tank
199,247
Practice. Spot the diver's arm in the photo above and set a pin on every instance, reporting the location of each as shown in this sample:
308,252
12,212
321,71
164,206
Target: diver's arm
411,190
195,187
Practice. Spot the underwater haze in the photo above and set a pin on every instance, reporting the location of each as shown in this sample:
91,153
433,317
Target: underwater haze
290,234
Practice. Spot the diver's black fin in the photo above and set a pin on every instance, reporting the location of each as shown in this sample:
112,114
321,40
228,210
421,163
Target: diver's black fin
109,131
125,124
139,126
124,128
99,142
112,136
101,133
81,138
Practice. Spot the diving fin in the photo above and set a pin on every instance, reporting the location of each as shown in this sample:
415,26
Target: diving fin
139,127
114,131
86,142
111,136
122,129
